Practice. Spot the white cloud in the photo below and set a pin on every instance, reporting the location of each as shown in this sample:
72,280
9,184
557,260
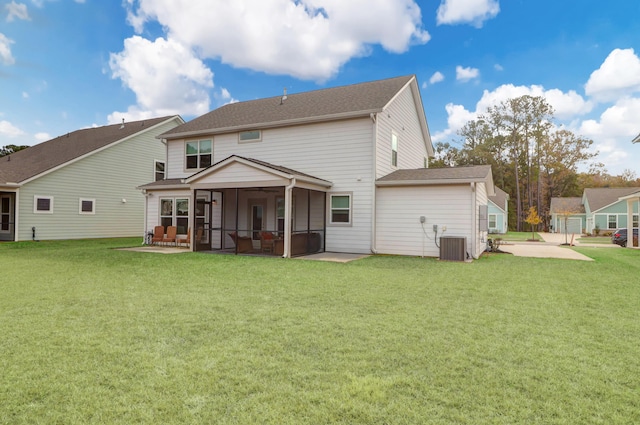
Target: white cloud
165,76
308,39
5,50
473,12
436,77
498,67
466,74
9,130
225,97
42,137
618,76
16,11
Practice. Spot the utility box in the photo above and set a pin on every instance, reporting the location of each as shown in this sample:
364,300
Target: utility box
453,248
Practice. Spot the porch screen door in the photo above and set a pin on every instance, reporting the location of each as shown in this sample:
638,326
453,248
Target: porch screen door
5,214
257,220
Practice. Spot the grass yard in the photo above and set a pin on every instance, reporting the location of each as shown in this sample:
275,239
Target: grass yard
95,335
604,240
518,236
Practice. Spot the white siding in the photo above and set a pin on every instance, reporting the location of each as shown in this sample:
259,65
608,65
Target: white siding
340,152
108,176
153,205
401,118
398,228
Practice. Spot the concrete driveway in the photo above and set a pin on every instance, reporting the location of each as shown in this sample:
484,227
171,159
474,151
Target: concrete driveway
551,247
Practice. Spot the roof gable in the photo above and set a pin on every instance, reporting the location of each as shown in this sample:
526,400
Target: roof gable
46,156
313,106
571,205
598,198
499,199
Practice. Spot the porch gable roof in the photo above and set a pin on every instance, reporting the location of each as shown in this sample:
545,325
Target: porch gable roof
599,198
277,173
438,176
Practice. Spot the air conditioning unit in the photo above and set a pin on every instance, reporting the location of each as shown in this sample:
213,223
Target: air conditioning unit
453,248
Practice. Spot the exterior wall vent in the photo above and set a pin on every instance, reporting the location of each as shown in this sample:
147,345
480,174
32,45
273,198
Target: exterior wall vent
453,248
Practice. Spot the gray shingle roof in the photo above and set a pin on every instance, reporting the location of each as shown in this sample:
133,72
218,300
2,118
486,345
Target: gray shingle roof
45,156
439,175
571,205
600,197
500,198
318,105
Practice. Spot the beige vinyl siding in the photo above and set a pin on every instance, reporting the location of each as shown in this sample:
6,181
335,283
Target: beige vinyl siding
399,230
153,206
108,176
401,118
338,151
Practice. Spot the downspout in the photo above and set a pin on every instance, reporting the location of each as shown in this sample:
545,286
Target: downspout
286,252
474,224
146,200
374,145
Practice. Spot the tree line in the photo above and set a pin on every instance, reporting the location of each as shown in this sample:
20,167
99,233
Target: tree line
532,159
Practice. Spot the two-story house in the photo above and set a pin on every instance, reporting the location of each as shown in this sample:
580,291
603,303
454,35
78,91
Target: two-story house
342,169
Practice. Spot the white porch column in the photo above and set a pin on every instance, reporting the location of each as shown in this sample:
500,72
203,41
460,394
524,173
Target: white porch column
288,196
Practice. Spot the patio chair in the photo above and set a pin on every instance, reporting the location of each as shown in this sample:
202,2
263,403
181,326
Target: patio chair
158,234
243,243
266,241
185,239
172,231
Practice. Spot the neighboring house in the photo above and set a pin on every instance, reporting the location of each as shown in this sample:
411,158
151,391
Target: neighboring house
567,215
632,202
601,208
499,212
82,184
310,172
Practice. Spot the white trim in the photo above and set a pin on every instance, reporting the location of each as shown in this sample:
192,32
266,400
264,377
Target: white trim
155,169
198,155
35,204
330,209
255,140
93,206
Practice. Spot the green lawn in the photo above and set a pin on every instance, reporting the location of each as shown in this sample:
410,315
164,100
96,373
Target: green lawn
517,236
89,334
605,240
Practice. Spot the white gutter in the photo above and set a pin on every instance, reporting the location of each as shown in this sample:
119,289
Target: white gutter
374,248
474,228
288,195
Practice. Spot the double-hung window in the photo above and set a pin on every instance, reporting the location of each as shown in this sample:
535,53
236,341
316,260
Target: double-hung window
159,170
493,221
198,154
612,221
340,209
175,212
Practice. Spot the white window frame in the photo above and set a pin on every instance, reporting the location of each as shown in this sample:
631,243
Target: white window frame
93,206
247,136
35,204
330,209
634,220
198,155
163,172
394,149
609,222
174,216
493,217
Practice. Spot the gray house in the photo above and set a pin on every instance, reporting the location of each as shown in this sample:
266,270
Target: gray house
316,171
82,184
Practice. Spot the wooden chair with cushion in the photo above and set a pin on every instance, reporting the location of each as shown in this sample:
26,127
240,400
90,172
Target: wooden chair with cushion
243,243
185,239
158,235
170,238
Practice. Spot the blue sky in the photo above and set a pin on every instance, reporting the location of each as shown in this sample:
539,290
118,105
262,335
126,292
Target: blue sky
71,64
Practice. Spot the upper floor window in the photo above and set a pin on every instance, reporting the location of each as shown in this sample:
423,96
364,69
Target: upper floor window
249,136
394,149
159,170
198,154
